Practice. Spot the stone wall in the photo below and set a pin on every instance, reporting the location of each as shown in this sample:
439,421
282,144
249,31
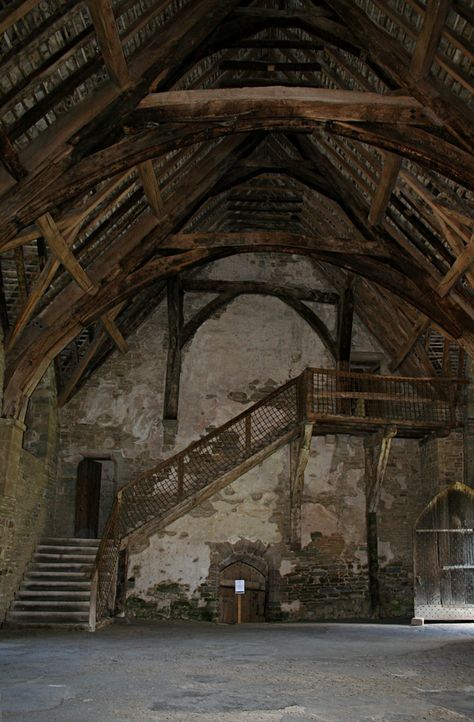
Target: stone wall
178,573
245,351
237,357
27,501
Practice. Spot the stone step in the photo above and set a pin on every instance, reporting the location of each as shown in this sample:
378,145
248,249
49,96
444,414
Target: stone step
57,549
56,595
37,605
54,585
57,625
65,567
57,575
69,541
47,616
55,558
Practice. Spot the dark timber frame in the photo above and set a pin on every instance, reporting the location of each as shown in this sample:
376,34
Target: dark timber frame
132,150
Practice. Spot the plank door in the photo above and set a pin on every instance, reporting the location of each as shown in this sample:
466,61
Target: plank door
253,601
86,525
444,558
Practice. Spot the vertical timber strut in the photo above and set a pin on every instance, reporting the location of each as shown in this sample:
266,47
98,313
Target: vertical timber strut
377,452
175,329
344,327
299,454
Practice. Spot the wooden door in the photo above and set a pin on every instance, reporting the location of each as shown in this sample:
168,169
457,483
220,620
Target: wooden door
252,602
444,557
86,524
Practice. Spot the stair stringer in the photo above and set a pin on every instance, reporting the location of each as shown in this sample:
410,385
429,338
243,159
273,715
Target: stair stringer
138,539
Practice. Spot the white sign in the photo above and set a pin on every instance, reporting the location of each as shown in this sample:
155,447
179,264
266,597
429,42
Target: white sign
240,586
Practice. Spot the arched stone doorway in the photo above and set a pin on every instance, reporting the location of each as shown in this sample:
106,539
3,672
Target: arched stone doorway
253,601
444,556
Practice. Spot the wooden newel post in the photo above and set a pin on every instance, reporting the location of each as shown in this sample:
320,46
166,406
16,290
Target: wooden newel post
93,600
248,434
119,503
180,477
305,395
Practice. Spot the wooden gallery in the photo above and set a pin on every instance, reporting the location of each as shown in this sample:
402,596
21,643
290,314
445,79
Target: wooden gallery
236,333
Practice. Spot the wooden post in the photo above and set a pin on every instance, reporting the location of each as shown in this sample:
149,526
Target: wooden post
93,601
299,455
175,329
239,608
377,450
344,326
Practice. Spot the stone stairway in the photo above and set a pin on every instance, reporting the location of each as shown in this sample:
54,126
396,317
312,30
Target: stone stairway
55,591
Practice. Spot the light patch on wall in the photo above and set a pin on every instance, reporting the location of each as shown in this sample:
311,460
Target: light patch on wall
181,553
316,517
385,553
170,559
387,499
317,476
291,607
286,567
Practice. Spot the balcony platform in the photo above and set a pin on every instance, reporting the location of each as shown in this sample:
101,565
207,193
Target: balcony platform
343,402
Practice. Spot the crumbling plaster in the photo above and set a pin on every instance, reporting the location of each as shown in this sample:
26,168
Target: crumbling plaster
248,349
253,346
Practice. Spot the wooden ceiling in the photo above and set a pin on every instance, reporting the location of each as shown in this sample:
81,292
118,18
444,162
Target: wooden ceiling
142,138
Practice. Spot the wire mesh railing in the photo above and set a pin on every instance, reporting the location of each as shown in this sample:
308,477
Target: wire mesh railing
152,495
366,398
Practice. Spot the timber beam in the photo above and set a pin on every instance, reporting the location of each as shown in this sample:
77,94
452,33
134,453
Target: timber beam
300,450
109,40
317,105
173,367
377,452
60,248
421,325
436,12
152,189
210,286
386,185
239,288
344,325
388,54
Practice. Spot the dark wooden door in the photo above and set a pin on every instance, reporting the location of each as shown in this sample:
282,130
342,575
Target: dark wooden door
253,601
444,558
87,499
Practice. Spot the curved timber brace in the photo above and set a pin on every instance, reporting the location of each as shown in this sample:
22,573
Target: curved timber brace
179,334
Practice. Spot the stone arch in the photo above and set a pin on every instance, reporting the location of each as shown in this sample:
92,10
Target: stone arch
243,553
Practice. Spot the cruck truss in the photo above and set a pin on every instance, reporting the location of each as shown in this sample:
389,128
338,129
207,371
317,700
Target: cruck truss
140,139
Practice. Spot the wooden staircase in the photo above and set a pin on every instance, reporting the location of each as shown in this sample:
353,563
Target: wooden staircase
69,585
318,401
56,589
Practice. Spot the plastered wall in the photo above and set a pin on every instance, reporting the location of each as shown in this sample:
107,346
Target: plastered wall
244,352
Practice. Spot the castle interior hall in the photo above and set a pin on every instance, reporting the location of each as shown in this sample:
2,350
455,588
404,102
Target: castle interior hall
236,360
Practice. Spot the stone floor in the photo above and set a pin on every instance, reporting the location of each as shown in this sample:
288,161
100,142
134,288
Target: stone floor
189,671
